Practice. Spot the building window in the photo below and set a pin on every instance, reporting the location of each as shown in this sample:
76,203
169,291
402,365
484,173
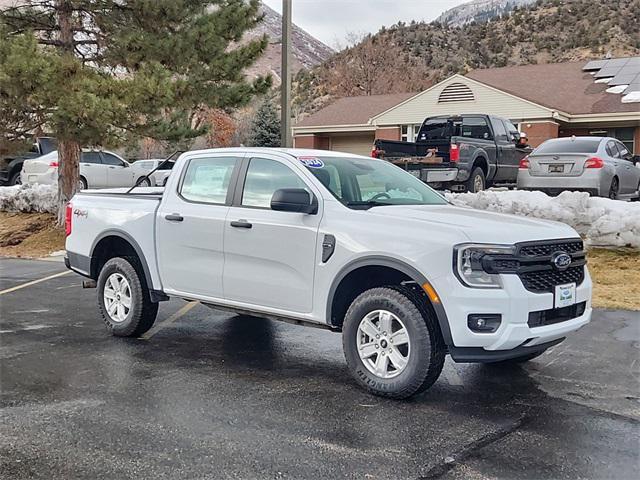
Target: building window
625,135
456,92
409,133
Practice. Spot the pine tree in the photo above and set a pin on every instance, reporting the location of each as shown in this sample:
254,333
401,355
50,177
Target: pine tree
265,127
99,72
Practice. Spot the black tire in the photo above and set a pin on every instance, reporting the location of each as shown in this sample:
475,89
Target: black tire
428,351
15,179
142,312
143,182
82,183
614,188
476,182
637,199
518,360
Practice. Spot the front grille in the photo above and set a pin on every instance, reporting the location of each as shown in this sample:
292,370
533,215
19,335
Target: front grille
548,248
546,280
536,269
556,315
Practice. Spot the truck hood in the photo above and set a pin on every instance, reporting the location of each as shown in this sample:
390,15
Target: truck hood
480,225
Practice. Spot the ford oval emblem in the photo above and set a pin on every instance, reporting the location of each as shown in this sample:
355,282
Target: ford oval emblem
561,260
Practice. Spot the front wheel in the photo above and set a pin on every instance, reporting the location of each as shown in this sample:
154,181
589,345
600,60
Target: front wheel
476,182
143,182
123,300
392,343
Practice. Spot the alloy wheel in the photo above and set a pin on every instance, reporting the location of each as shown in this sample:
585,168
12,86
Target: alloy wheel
383,344
117,297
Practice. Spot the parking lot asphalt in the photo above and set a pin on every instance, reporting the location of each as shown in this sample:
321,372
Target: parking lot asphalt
208,394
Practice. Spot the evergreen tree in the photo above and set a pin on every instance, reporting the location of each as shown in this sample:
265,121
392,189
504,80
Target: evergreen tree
265,127
98,72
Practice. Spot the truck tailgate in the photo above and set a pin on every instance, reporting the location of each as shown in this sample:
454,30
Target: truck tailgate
96,215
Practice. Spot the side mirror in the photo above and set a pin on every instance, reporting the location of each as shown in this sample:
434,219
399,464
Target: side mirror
296,200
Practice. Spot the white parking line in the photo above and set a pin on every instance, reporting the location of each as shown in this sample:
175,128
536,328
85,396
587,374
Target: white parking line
169,320
33,282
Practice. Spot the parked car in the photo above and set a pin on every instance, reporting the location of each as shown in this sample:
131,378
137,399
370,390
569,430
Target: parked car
336,241
602,166
98,169
159,177
11,166
459,153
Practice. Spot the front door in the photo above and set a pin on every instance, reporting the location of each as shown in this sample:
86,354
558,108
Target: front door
506,153
119,173
629,172
270,255
190,227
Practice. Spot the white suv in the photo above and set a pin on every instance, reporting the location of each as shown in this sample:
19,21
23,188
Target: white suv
98,169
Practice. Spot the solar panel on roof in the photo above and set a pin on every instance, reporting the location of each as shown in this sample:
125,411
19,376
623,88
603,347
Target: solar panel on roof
633,61
617,62
608,72
634,87
624,79
594,65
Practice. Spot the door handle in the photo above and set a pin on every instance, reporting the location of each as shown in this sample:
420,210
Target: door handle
174,218
241,224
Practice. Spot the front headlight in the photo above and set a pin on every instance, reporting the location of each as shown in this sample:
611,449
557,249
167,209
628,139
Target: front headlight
468,264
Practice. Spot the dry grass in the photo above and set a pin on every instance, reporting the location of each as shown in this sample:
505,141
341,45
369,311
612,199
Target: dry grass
616,278
615,272
29,235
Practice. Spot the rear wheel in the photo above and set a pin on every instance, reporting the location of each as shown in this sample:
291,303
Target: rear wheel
82,183
143,182
123,299
476,182
392,343
15,179
613,190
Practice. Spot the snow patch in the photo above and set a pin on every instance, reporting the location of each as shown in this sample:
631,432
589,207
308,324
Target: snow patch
603,80
631,97
617,89
29,198
600,221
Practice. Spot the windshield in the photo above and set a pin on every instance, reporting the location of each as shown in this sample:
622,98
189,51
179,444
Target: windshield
569,145
365,183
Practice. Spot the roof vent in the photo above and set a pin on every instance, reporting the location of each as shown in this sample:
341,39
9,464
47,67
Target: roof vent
456,92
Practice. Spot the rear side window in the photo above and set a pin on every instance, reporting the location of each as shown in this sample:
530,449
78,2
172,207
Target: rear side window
206,180
90,157
500,131
568,145
476,127
264,177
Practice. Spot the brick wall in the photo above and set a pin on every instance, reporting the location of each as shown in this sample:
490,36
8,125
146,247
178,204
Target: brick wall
311,141
388,133
539,132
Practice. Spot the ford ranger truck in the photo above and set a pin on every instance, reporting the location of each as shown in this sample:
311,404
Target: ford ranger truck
338,241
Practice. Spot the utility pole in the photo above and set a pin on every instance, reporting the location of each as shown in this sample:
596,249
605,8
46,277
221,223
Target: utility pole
285,75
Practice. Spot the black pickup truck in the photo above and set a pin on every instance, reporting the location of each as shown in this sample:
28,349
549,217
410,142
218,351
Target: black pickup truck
461,153
11,166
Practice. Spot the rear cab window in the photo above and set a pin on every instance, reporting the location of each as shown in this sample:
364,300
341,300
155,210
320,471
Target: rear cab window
206,180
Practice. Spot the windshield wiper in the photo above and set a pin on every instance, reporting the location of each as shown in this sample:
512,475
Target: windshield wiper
368,204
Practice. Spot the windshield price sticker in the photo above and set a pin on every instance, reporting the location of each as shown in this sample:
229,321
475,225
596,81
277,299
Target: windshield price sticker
311,162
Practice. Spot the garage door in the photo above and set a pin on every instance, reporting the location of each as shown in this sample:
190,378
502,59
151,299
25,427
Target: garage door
360,144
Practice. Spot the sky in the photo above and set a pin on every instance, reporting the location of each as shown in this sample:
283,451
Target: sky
332,20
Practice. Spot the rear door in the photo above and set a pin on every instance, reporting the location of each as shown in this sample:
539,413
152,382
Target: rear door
93,170
629,172
270,255
191,223
507,169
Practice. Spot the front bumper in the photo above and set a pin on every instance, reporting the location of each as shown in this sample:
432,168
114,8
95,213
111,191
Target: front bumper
514,303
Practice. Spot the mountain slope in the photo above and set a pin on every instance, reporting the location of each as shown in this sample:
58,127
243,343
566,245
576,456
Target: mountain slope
307,51
412,57
479,11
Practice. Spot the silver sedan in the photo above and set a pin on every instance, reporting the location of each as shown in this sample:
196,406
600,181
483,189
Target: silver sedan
602,166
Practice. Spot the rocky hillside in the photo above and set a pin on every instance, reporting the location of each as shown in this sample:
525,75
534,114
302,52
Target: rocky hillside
411,57
307,50
479,11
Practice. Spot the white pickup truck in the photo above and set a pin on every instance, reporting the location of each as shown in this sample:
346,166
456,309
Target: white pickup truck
337,241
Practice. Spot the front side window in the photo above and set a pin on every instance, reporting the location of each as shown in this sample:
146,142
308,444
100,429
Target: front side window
612,150
624,151
109,159
362,184
263,178
207,180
